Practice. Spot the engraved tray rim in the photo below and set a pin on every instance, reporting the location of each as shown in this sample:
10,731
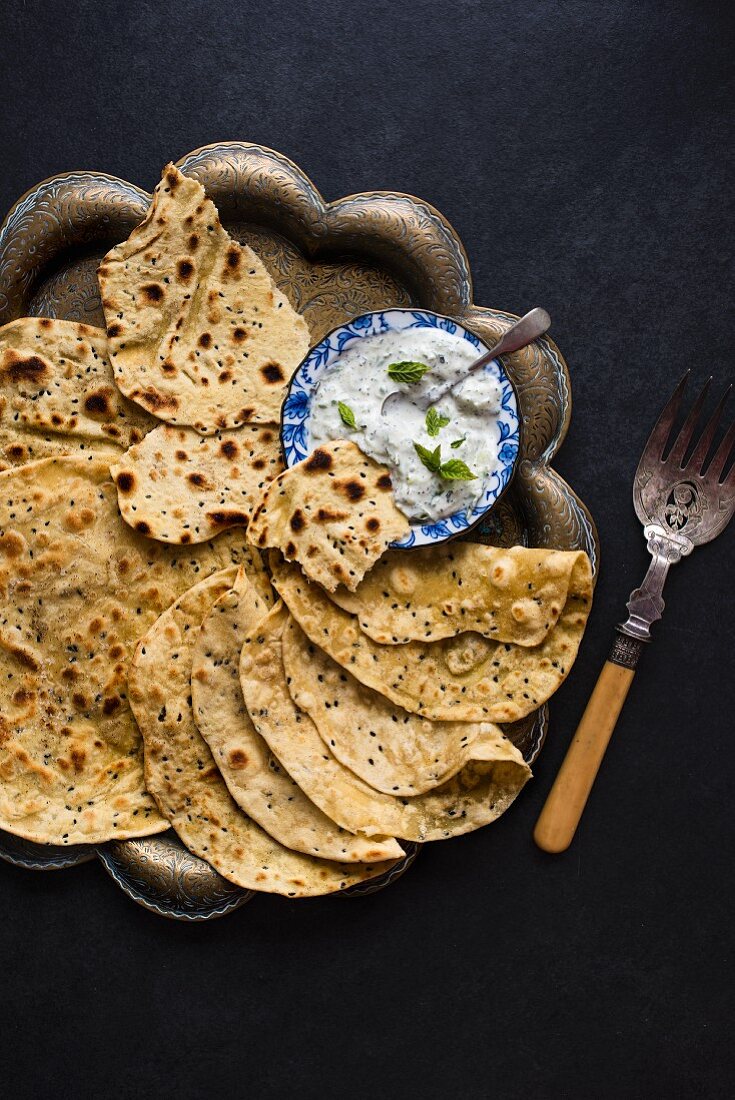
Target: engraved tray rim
396,229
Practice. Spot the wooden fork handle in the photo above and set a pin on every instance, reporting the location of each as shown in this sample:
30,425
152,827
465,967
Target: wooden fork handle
567,798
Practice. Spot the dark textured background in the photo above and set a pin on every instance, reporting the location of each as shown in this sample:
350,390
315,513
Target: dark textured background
584,153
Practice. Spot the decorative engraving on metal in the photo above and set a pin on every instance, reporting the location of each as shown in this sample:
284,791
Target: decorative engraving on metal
43,857
335,260
160,874
682,504
626,651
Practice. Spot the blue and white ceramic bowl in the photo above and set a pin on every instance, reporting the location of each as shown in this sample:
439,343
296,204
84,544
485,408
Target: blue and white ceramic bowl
296,411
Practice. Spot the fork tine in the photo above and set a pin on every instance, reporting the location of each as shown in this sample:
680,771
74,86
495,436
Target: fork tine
728,485
718,463
683,439
658,438
700,452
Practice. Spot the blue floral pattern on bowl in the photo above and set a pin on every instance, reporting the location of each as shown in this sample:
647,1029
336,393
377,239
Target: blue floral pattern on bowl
296,410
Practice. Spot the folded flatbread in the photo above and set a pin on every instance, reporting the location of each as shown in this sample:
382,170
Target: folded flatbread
391,749
199,334
474,797
254,777
467,678
507,595
184,779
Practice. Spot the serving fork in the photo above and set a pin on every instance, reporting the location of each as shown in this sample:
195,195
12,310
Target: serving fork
683,501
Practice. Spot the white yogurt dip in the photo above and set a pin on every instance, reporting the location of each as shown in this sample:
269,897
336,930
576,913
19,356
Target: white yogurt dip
359,379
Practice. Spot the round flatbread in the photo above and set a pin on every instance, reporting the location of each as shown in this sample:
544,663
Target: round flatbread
188,487
474,797
182,776
334,513
78,588
467,678
199,334
254,777
391,749
507,595
57,394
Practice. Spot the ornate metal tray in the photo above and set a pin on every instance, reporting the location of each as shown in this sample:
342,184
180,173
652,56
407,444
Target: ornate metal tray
336,260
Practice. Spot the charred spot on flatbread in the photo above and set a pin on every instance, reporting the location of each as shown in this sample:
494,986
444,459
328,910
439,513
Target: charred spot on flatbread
229,448
18,368
99,403
153,292
272,373
354,490
125,481
184,270
319,460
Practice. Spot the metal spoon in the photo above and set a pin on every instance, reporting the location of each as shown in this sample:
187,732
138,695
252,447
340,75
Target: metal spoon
527,329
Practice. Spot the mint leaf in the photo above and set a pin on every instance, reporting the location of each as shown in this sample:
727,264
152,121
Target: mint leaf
435,421
458,443
456,470
453,470
348,417
432,460
407,372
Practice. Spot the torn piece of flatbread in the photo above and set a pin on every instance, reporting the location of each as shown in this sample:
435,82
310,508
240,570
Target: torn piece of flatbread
334,513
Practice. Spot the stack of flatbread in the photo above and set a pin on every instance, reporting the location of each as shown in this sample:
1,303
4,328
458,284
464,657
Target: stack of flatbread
194,637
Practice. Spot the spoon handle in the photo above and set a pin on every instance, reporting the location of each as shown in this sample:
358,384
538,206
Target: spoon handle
525,330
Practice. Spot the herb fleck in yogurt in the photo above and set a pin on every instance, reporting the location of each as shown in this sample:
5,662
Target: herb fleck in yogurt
463,425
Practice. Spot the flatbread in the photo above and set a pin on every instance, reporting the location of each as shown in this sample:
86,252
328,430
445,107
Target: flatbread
334,513
188,487
182,776
199,334
57,394
254,777
77,590
508,595
474,797
467,678
393,750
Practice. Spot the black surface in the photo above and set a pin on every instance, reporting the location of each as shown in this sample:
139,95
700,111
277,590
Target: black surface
584,153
